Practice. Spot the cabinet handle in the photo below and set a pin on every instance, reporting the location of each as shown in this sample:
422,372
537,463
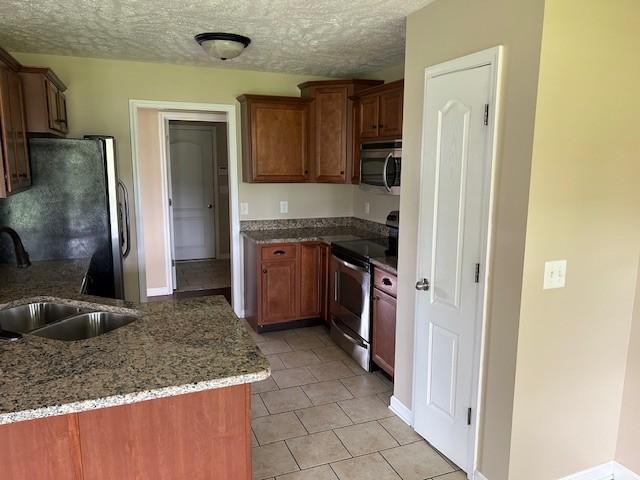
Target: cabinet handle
279,252
341,172
374,126
386,281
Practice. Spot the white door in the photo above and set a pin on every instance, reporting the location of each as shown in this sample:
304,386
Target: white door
451,230
192,185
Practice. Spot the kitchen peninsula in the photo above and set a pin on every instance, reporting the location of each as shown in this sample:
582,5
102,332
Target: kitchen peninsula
166,396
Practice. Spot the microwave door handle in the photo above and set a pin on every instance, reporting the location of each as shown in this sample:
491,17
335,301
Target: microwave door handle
384,172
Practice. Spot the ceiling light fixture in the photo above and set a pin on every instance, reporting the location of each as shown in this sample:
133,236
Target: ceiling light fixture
222,45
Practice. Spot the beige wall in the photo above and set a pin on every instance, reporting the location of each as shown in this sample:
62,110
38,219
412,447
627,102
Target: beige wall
151,197
584,207
444,30
98,102
628,448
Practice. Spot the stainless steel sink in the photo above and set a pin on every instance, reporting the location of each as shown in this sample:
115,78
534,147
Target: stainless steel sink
26,318
86,325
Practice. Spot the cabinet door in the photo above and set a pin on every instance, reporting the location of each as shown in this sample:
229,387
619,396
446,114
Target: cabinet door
330,134
52,104
279,291
46,448
325,256
369,116
384,330
390,124
63,124
279,149
310,280
22,173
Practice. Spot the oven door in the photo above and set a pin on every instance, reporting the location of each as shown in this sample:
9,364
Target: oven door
350,290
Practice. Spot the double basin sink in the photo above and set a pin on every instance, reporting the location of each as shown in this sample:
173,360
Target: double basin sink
58,321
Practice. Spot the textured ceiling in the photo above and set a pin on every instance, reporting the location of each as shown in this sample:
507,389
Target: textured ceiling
323,37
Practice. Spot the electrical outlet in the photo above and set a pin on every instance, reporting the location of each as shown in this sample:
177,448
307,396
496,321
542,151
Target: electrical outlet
284,206
555,274
244,208
367,208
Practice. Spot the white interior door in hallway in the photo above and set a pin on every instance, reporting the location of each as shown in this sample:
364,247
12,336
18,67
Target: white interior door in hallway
192,158
453,226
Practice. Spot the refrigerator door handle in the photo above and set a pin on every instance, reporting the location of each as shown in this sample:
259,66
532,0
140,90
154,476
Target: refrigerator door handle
124,212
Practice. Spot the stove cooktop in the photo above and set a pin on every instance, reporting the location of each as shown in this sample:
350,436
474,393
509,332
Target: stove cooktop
365,249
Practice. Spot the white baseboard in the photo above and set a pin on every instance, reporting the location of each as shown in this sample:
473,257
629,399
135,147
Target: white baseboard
478,476
606,471
620,472
158,292
401,410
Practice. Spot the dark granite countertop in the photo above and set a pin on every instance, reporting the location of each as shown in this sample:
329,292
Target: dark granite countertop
172,348
388,264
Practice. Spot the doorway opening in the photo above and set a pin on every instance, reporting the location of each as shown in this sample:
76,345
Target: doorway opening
197,157
185,162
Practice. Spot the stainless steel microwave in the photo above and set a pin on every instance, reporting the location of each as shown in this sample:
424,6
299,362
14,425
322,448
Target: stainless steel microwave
380,166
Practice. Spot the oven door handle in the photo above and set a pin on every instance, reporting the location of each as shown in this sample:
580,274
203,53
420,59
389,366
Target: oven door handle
384,172
350,338
350,266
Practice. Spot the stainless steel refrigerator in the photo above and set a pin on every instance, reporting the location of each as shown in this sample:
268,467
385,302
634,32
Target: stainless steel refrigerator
76,209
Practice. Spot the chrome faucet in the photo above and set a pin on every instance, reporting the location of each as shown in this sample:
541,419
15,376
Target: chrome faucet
22,257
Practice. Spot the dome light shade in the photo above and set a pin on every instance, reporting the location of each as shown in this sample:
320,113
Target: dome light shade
222,45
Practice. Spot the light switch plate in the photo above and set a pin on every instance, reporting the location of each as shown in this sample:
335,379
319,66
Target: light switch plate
555,274
244,208
284,206
367,208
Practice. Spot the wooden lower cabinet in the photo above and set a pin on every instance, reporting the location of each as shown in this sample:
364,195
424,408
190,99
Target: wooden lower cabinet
384,329
204,435
284,282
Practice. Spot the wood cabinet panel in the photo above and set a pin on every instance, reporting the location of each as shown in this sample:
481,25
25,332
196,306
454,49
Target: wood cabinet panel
279,291
369,116
390,124
325,258
279,252
384,330
47,448
385,281
275,134
198,436
46,107
15,174
310,280
330,134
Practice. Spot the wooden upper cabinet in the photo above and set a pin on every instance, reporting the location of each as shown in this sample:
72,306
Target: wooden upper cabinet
380,112
45,102
369,116
275,131
333,135
15,173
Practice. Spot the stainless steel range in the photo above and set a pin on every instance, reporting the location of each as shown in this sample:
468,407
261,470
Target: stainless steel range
350,291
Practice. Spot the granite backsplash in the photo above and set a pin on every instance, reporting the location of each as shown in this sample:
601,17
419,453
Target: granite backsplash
378,229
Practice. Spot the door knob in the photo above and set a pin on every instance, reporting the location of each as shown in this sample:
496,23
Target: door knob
423,284
209,206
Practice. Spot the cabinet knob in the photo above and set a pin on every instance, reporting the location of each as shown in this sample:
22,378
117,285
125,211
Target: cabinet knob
341,172
380,126
374,126
386,281
264,271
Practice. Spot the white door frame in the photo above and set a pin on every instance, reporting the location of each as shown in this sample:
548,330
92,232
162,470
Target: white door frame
165,157
181,110
491,57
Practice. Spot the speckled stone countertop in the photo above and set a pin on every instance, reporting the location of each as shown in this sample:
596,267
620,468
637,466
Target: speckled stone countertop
172,348
321,234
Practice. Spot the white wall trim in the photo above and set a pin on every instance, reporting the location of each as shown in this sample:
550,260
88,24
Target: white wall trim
493,58
401,410
158,292
620,472
478,476
234,207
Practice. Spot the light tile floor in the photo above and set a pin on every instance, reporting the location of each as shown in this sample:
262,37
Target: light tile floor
210,274
322,417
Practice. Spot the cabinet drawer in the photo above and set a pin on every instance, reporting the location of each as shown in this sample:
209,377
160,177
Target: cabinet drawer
279,252
385,281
